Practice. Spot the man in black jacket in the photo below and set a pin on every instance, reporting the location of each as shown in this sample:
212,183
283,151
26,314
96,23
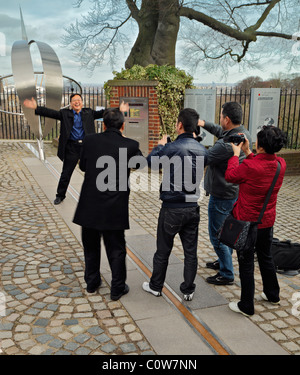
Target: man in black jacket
75,124
103,204
183,164
222,193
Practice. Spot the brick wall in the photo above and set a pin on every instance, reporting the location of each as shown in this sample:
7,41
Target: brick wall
139,89
292,158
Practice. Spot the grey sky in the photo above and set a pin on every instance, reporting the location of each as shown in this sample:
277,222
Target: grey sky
44,21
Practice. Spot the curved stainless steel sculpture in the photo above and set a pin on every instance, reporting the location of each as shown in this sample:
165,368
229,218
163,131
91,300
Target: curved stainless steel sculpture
24,81
53,81
23,73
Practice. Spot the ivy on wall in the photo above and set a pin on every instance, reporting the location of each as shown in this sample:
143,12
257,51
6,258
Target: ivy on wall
171,86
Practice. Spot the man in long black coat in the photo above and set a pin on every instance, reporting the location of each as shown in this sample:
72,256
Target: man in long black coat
75,124
103,204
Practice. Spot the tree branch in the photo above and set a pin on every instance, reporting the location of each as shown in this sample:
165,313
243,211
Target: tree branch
108,27
133,9
273,34
240,57
228,51
216,25
263,16
250,5
248,35
230,11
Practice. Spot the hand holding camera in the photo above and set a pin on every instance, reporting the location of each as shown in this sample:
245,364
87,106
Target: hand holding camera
164,140
199,134
239,142
236,139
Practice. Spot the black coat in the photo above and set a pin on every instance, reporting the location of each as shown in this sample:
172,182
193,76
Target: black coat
105,210
66,117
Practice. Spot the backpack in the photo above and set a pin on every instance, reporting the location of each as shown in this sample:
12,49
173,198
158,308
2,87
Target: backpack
286,256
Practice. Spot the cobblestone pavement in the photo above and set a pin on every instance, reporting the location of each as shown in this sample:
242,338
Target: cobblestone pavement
47,310
277,321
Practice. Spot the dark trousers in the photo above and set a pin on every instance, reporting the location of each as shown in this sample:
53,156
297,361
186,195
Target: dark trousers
114,241
267,270
185,222
71,158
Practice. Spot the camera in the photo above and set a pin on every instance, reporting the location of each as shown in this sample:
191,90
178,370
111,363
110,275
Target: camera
236,139
200,134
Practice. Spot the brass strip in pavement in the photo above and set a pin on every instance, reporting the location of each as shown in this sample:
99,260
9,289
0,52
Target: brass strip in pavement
211,340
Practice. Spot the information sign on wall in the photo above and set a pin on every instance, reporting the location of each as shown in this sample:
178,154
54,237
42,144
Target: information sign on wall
204,102
264,109
137,121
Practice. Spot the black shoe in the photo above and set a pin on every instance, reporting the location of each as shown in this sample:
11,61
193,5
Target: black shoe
125,291
58,200
93,290
219,280
213,265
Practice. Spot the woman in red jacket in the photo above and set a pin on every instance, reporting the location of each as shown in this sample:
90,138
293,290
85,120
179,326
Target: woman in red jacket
254,176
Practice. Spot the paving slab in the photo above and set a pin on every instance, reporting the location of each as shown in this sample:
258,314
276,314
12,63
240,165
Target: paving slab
242,336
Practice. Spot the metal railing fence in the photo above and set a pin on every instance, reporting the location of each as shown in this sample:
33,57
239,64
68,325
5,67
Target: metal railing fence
14,126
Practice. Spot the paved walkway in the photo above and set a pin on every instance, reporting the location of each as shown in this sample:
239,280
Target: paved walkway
48,311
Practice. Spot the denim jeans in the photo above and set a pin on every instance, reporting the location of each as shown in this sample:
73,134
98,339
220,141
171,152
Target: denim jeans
267,270
217,211
185,222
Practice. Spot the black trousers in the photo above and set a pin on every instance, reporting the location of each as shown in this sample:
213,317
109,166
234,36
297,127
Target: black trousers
114,241
71,158
185,222
267,270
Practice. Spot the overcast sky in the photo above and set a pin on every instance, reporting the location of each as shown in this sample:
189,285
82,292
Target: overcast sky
45,21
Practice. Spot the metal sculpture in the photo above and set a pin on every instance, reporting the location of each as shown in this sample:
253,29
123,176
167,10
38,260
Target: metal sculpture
23,73
25,83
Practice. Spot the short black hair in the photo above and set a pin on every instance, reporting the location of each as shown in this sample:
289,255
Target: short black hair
271,139
234,111
189,119
113,118
72,96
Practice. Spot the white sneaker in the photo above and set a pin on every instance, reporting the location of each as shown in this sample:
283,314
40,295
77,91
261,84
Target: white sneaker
234,307
147,288
188,297
263,296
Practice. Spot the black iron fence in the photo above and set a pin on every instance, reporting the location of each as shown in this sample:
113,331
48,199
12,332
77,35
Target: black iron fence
289,111
14,126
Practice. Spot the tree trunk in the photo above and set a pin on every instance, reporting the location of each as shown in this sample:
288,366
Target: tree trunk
158,22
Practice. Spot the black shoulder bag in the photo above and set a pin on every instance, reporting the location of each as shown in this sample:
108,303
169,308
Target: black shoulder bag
241,235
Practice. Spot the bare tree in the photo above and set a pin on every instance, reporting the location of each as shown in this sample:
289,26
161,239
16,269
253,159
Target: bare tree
249,82
228,32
